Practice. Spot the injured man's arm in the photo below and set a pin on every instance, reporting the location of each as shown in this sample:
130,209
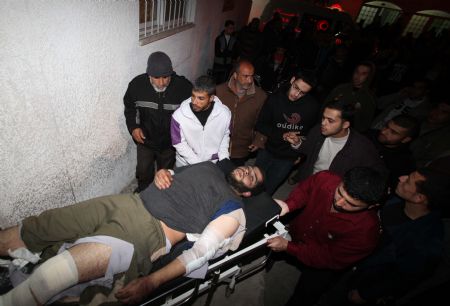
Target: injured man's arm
216,236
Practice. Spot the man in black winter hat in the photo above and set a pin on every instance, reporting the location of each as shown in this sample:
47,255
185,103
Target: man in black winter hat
150,100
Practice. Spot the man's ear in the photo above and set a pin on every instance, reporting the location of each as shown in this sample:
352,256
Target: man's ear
246,194
211,98
235,75
292,80
346,124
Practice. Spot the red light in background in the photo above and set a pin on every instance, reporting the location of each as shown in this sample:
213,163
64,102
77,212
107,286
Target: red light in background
322,25
336,6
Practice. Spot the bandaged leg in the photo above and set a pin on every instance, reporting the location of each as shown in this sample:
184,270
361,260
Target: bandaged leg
52,277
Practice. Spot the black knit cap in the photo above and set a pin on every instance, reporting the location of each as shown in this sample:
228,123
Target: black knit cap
159,65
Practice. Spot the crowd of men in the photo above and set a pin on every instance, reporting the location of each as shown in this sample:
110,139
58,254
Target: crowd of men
371,171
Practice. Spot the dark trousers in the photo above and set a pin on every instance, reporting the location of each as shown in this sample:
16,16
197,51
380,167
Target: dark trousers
145,168
276,170
337,294
312,284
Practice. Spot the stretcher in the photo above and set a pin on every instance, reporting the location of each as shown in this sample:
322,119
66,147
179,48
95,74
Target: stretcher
262,215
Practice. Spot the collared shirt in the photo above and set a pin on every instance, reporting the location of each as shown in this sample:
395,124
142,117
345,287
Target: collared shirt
233,86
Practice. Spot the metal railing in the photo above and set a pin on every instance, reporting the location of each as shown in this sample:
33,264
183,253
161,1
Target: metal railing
158,16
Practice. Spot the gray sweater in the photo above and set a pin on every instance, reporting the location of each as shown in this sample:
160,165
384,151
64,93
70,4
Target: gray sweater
196,193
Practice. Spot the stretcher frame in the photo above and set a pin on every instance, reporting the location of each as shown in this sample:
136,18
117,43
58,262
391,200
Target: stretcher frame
262,214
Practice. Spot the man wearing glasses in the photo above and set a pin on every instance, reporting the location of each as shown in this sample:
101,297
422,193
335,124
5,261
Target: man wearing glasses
285,118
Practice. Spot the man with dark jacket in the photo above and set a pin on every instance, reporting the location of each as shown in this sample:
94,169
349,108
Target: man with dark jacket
358,92
249,41
433,141
285,118
392,143
224,52
334,146
150,100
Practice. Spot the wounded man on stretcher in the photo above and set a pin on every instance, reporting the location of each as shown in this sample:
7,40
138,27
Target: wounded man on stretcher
100,243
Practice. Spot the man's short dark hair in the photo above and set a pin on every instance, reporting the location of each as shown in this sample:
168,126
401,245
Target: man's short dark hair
306,76
365,184
205,83
436,187
229,22
409,123
346,108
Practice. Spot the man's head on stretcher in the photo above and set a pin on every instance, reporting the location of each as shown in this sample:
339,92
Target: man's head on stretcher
246,180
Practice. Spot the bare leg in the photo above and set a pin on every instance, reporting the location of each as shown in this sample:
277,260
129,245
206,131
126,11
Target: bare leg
10,239
91,260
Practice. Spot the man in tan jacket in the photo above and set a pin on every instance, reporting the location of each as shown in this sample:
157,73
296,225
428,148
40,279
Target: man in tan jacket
245,100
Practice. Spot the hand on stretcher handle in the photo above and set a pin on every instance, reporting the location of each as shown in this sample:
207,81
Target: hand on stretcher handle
278,242
283,205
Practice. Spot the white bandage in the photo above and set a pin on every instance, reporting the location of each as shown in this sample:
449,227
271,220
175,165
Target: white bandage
53,276
203,249
20,296
50,278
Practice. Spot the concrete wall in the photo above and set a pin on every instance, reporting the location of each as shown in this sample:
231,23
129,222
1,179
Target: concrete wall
64,68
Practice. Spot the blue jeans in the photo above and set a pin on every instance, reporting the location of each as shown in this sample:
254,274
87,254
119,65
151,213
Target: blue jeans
276,169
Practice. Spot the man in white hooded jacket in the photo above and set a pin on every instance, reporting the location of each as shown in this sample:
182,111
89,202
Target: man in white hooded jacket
200,127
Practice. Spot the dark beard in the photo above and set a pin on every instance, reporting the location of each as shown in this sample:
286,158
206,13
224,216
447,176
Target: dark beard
238,186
